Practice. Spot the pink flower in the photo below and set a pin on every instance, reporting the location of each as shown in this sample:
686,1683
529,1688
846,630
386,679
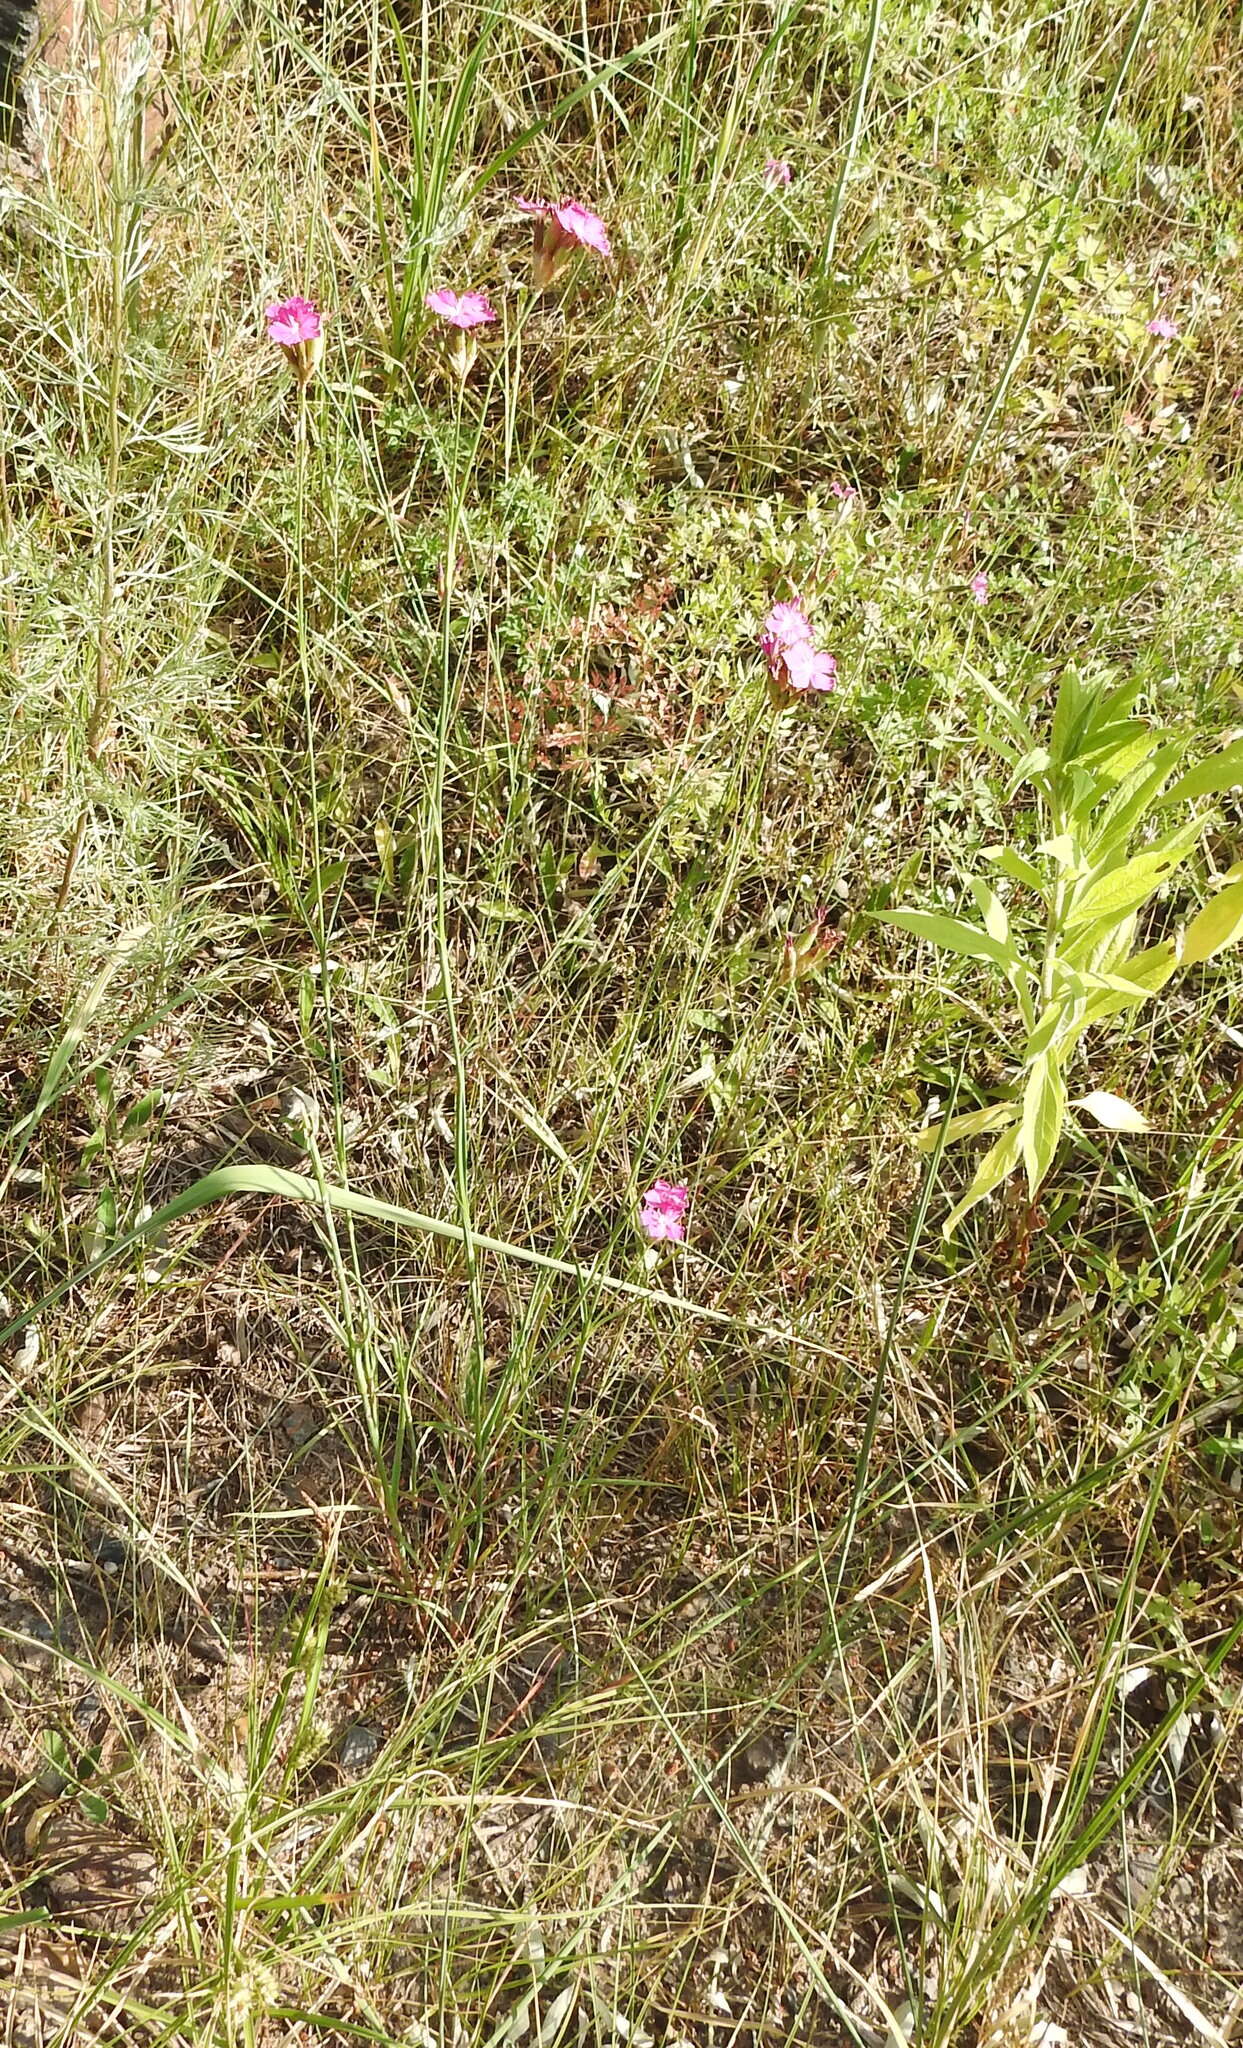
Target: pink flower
978,587
663,1212
785,626
460,309
794,663
1163,328
808,668
844,492
295,325
560,230
294,320
777,172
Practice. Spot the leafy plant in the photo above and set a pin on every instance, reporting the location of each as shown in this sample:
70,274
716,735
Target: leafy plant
1104,788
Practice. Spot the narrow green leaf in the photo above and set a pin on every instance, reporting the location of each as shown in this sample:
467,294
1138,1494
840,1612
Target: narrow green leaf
972,1124
1119,819
1009,862
1046,1029
1114,1112
1222,770
1044,1113
75,1031
278,1182
1124,888
951,933
1218,925
1147,972
1070,716
997,1165
992,910
1119,749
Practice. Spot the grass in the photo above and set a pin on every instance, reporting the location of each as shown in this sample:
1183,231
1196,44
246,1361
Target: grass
738,1644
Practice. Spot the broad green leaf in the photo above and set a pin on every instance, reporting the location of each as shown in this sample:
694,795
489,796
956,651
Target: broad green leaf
997,1165
1125,888
1218,925
992,910
1113,1111
1009,862
1044,1113
1222,770
1113,946
1062,849
953,933
971,1125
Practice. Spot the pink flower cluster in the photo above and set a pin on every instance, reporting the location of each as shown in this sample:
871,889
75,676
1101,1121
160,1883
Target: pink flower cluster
1163,328
794,661
662,1216
561,229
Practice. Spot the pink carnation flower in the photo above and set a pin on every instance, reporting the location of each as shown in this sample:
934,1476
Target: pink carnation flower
294,320
785,626
809,668
777,172
297,328
978,587
460,309
662,1216
794,663
1164,329
560,230
463,312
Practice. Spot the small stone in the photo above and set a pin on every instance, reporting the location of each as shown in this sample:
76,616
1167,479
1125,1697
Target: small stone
357,1746
86,1711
